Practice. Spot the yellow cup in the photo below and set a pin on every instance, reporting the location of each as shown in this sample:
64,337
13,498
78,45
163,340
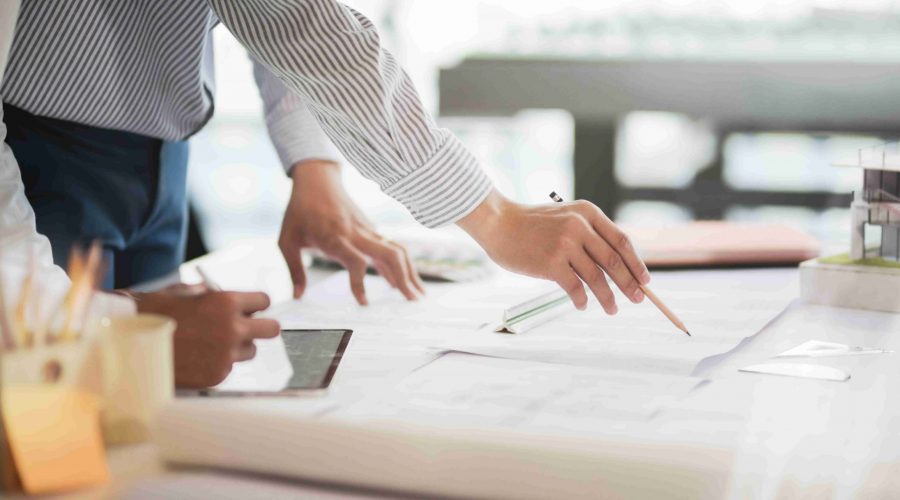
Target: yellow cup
138,374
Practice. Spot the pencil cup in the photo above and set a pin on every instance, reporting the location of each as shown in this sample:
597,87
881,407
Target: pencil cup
65,364
36,384
137,374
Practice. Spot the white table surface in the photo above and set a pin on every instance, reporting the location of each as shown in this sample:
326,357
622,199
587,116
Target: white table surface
793,439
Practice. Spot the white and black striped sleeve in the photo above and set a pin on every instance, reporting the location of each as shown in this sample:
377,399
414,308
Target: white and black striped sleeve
294,131
332,56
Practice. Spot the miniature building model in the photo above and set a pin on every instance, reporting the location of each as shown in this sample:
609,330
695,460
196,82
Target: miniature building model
867,277
878,203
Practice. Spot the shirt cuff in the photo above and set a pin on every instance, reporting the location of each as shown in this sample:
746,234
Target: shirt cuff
108,305
298,137
446,188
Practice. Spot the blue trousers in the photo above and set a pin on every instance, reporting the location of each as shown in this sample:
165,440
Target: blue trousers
123,189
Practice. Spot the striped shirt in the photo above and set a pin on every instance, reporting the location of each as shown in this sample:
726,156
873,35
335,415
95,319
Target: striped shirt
96,81
144,66
24,251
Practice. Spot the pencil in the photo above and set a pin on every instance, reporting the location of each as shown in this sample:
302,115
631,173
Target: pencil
23,331
207,280
83,271
663,308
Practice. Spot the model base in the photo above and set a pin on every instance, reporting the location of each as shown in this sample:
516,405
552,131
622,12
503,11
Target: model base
857,286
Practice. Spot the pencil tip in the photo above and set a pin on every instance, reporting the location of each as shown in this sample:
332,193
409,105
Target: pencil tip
688,333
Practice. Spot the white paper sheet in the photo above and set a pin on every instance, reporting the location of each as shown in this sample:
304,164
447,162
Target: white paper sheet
462,389
720,308
459,306
639,337
391,336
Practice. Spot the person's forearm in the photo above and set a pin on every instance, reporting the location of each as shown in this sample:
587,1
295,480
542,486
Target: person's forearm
332,56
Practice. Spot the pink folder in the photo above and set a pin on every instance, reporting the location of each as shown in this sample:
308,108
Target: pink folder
717,243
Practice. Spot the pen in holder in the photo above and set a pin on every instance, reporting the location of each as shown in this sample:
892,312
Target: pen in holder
138,374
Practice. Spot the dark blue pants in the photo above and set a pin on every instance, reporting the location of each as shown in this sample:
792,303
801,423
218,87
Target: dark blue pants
86,183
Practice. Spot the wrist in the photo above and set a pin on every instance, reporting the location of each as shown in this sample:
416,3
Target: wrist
314,169
314,177
159,302
485,220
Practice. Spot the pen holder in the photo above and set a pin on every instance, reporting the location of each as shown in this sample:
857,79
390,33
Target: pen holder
49,402
138,374
75,364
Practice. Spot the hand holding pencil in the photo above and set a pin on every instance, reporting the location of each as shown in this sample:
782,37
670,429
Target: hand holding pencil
573,244
649,293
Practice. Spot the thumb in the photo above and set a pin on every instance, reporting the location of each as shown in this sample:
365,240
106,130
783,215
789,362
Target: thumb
292,256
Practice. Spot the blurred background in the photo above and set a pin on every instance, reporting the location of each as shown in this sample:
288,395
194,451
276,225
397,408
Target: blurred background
657,111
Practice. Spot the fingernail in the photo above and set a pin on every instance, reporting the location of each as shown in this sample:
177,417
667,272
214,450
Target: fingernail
638,296
613,309
645,277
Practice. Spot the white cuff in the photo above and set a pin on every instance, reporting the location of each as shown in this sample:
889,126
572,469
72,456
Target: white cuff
111,305
446,188
297,136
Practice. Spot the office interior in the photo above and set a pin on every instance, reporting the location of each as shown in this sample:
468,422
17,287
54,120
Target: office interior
659,165
661,113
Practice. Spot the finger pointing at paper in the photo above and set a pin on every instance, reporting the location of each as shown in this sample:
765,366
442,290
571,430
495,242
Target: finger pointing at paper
573,244
321,215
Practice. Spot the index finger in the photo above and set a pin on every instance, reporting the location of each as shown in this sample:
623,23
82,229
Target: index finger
356,264
262,328
250,302
390,258
290,249
621,243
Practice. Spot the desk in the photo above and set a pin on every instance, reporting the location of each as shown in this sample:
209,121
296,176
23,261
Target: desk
792,438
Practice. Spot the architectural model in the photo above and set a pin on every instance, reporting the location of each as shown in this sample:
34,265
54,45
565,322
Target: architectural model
868,276
878,203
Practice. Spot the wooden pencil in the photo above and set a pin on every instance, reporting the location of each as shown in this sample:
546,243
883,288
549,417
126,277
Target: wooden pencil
23,329
664,309
83,270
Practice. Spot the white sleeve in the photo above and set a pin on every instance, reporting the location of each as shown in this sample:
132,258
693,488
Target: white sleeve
19,238
18,235
294,131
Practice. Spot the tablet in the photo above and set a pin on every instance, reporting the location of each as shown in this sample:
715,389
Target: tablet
314,356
